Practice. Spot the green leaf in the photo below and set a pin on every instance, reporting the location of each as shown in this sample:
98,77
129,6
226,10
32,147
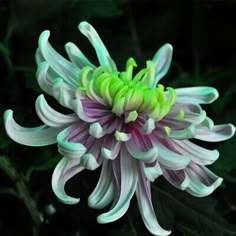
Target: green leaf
193,216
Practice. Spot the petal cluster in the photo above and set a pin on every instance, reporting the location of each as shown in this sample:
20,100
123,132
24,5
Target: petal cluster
130,125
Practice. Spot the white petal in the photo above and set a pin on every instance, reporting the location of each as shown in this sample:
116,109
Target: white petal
215,134
103,193
65,170
95,129
186,133
153,172
76,56
102,53
197,154
59,64
202,181
121,136
78,108
129,177
51,117
67,148
199,95
142,149
162,60
89,161
143,194
110,148
38,136
170,159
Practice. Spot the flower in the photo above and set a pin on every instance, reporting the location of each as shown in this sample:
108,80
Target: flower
129,124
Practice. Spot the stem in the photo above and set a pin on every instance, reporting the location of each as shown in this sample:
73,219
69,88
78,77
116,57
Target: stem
23,191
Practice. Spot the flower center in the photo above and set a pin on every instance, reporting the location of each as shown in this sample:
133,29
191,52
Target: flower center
125,93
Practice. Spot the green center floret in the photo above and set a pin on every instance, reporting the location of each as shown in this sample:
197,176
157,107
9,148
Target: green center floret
125,93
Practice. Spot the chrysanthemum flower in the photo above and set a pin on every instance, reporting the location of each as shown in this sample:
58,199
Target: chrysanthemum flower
130,124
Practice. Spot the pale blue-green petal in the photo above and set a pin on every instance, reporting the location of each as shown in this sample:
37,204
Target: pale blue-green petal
77,57
199,155
143,194
67,148
65,169
170,159
162,61
103,193
215,134
129,177
51,117
202,181
102,53
38,136
153,172
199,95
59,64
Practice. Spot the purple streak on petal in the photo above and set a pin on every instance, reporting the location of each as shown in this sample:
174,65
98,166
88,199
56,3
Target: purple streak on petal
202,181
177,178
197,154
143,194
129,177
216,133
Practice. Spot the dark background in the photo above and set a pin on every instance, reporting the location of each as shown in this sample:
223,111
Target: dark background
203,34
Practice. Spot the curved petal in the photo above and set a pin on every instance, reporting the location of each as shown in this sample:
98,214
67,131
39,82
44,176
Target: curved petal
110,148
38,136
162,60
102,53
51,117
103,193
68,148
77,57
141,148
143,194
199,95
153,172
59,64
177,178
129,177
202,181
65,170
197,154
216,133
170,159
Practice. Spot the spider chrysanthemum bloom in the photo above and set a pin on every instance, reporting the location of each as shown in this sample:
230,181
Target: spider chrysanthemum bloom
130,124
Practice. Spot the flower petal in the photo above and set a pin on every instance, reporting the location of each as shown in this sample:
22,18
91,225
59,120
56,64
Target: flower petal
65,170
51,117
199,95
202,181
143,194
153,172
77,57
177,178
162,60
103,193
102,53
129,177
216,133
38,136
59,64
68,148
197,154
170,159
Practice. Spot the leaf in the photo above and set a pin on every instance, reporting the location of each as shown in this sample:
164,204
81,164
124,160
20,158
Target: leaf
193,216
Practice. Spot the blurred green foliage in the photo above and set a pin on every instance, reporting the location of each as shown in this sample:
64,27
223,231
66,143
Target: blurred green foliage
203,34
